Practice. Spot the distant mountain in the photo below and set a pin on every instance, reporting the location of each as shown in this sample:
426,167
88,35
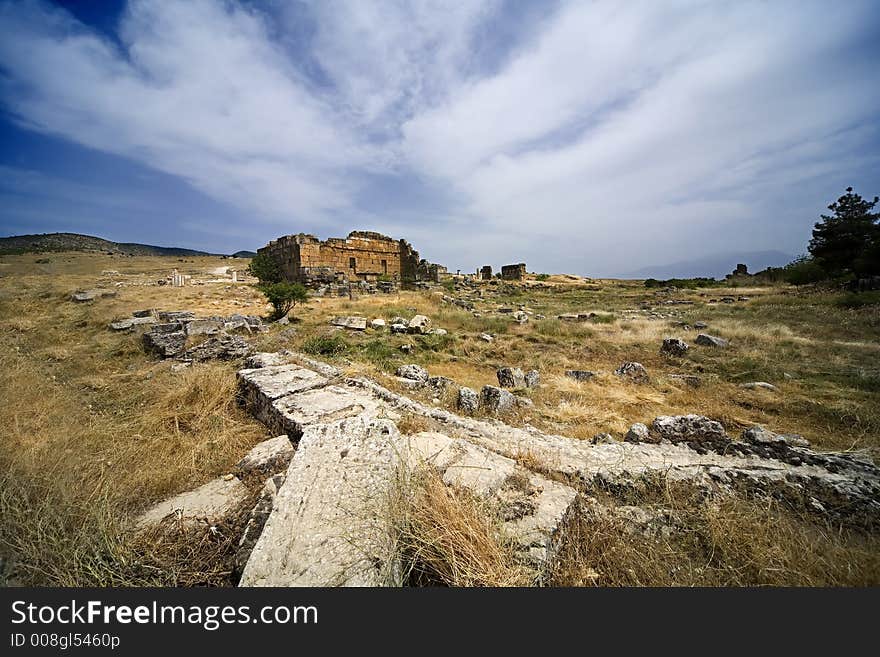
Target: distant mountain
715,266
76,242
244,254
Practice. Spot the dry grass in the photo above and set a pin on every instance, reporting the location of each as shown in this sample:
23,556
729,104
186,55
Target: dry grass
447,537
94,430
724,541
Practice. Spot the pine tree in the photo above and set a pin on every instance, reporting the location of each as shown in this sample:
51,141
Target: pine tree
845,242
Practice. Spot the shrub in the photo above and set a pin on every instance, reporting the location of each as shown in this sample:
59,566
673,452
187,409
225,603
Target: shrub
323,345
264,269
542,277
803,271
283,297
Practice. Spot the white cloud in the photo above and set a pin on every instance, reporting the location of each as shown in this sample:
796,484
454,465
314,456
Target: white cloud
607,133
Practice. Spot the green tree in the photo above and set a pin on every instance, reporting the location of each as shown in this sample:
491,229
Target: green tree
802,271
845,242
264,269
283,296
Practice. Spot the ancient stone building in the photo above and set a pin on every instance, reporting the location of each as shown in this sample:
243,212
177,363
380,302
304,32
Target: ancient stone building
486,273
514,272
362,256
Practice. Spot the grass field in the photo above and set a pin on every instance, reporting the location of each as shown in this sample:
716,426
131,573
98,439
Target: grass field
95,430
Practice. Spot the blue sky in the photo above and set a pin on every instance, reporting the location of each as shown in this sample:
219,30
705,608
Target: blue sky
588,137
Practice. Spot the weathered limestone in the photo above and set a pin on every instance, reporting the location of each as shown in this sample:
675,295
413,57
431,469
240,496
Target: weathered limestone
413,373
266,359
419,324
674,347
220,347
580,375
353,323
638,433
268,456
204,326
468,400
164,344
534,508
377,324
130,322
689,429
206,505
711,341
532,379
326,527
511,377
759,385
259,388
496,400
635,372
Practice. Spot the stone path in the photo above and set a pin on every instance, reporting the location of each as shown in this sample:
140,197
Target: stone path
328,524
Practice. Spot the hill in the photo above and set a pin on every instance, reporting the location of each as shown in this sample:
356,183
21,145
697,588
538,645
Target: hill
76,242
715,265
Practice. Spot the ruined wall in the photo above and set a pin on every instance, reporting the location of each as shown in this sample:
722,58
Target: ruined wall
514,272
362,255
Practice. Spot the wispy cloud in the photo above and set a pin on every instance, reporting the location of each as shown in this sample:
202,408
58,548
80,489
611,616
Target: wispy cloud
594,137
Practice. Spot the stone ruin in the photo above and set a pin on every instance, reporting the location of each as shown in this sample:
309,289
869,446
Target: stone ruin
485,274
513,272
362,257
321,518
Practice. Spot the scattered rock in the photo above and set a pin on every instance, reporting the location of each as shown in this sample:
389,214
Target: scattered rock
206,505
413,373
398,328
690,379
164,344
532,379
638,433
406,348
419,324
689,429
485,337
520,317
440,384
711,341
378,324
496,400
468,400
700,325
762,385
674,347
758,435
437,331
221,347
352,323
580,375
635,372
268,456
147,312
602,439
511,377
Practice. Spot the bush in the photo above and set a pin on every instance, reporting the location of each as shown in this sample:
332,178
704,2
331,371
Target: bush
283,296
264,269
858,300
803,271
542,277
690,283
323,345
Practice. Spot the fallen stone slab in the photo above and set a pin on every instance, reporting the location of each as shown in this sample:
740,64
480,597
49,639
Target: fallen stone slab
635,372
164,345
689,429
413,372
221,347
125,324
352,323
327,527
205,506
293,413
759,385
204,326
270,455
711,341
259,388
176,315
580,375
419,324
534,508
674,347
266,359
